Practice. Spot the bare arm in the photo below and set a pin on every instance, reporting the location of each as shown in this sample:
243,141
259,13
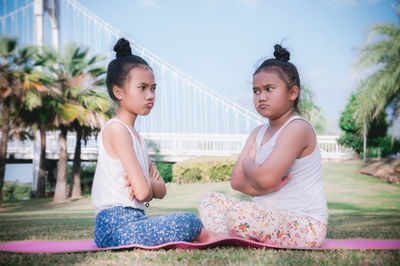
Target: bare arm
292,141
238,179
156,181
118,142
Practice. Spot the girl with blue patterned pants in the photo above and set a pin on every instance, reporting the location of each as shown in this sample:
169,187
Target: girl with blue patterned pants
125,176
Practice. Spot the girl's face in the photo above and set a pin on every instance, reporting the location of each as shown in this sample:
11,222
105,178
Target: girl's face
138,94
272,98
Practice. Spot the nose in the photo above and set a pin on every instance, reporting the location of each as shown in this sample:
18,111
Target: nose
151,94
263,96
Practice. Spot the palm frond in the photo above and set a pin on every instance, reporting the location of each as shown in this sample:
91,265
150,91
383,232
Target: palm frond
33,100
382,55
7,47
69,112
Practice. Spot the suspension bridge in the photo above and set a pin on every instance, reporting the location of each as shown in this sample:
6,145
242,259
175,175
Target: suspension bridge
189,119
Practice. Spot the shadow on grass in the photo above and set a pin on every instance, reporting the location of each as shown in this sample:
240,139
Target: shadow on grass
355,221
35,205
358,225
356,207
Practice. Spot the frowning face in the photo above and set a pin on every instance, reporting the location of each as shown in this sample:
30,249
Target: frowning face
271,96
138,94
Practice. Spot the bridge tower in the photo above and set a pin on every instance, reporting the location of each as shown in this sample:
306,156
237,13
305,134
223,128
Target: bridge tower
52,7
40,7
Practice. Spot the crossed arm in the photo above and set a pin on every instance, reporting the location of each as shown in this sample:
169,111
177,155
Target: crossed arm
120,144
260,179
156,181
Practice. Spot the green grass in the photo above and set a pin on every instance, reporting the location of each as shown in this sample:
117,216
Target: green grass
360,206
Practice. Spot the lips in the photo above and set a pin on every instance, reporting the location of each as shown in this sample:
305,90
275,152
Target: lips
263,106
150,105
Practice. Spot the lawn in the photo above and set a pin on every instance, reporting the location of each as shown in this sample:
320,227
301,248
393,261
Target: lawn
360,206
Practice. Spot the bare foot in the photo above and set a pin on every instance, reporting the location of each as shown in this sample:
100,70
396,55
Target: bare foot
206,236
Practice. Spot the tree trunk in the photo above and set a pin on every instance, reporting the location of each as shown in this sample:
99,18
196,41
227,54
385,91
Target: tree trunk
76,191
61,192
41,186
5,128
365,141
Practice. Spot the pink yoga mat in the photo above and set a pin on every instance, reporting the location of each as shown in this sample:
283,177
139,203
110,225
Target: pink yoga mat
44,246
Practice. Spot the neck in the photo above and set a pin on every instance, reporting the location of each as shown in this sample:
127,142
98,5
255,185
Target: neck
278,122
127,117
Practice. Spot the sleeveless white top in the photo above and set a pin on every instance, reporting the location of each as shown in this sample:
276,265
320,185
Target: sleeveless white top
304,193
108,184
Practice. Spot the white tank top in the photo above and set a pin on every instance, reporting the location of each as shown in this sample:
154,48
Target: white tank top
304,193
108,183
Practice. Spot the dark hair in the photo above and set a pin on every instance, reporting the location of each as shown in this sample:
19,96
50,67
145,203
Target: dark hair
286,70
119,68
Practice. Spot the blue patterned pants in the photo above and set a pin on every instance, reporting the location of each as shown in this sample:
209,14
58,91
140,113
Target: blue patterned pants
120,226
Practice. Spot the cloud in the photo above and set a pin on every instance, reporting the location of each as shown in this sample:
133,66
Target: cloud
151,4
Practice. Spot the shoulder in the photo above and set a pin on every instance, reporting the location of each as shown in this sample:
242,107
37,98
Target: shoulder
255,131
300,126
115,130
299,130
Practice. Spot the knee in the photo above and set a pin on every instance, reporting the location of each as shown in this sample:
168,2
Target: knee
208,198
191,220
187,224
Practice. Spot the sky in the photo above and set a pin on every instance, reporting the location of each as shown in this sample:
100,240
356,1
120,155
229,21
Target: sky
221,42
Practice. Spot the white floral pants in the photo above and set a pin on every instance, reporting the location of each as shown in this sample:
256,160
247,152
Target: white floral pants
220,213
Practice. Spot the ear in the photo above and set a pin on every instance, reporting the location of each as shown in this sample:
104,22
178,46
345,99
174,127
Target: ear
117,91
294,93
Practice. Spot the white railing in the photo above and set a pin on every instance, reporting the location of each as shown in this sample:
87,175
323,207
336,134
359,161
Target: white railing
330,149
173,147
177,147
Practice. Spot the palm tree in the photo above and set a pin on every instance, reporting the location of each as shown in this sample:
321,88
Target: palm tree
380,89
72,71
311,111
97,112
40,118
20,85
7,86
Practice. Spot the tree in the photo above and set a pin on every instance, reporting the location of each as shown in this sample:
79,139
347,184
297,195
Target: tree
40,118
97,112
381,89
20,85
311,111
76,75
377,139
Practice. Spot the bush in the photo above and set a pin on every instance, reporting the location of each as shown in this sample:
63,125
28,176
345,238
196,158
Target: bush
165,170
205,169
382,147
87,174
16,191
378,143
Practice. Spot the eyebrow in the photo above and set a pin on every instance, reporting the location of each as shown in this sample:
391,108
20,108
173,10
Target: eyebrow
264,86
144,83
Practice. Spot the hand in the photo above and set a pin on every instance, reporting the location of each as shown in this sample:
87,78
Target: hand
129,186
281,184
153,171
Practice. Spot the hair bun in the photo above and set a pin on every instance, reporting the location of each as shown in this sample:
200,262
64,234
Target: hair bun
122,48
281,53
